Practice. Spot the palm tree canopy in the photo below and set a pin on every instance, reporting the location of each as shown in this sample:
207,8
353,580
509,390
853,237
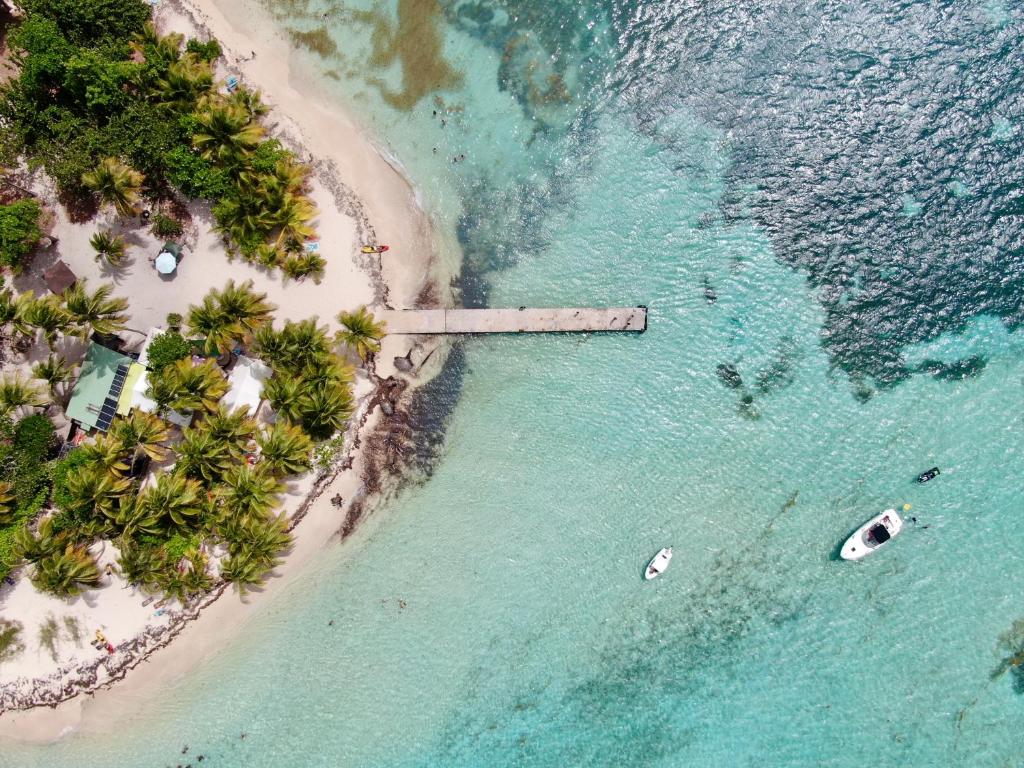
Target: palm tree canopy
108,246
142,434
185,82
47,314
295,346
232,428
361,332
66,573
106,452
17,392
96,311
285,449
200,456
325,409
54,370
185,386
227,132
93,488
174,496
249,490
116,184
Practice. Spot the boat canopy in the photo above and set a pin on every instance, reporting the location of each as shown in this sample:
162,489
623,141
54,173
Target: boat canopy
880,533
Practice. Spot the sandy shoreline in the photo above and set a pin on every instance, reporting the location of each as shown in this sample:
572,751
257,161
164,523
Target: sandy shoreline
381,202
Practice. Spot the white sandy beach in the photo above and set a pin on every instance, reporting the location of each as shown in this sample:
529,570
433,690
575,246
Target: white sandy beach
361,198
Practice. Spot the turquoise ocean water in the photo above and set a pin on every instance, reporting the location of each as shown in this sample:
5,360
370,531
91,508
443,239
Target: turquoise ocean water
820,205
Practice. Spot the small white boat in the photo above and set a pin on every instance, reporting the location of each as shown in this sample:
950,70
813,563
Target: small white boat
658,563
872,535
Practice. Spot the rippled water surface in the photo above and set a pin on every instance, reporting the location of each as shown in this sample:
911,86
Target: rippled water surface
821,205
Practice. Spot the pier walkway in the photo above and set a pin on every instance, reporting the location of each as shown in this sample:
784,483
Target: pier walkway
521,320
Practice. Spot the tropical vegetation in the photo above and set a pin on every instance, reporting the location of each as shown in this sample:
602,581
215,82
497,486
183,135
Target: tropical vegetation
19,232
361,332
116,112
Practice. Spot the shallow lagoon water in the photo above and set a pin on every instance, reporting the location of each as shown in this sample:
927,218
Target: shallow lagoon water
511,625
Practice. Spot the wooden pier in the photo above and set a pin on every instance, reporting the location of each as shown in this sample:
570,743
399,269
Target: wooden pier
516,320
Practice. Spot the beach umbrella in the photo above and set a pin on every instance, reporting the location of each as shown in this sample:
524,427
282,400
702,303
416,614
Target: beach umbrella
165,263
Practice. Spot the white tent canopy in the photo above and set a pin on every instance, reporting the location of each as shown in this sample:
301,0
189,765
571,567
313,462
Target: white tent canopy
246,384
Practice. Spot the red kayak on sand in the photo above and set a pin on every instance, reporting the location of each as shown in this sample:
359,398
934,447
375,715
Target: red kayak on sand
375,248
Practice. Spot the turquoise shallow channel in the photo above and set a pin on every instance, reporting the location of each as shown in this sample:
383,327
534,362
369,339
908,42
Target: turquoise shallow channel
816,202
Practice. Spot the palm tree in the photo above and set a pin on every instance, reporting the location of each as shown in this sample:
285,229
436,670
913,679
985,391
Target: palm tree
107,453
326,371
66,573
361,332
290,214
242,305
17,393
116,184
250,101
130,517
188,387
305,264
210,321
285,450
55,371
200,456
8,501
139,564
96,312
109,247
255,545
326,409
184,83
295,346
245,572
234,429
189,577
173,496
249,491
287,395
35,546
144,435
92,488
227,133
46,314
157,48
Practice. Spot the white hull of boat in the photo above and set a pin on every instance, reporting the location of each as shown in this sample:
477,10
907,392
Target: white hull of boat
863,542
658,564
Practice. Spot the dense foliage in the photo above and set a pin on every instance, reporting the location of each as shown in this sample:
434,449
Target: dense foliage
167,348
114,112
19,232
24,478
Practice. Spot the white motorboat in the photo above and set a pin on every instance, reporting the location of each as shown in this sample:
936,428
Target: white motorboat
872,535
658,563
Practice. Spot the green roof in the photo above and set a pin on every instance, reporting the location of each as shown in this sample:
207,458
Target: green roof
95,384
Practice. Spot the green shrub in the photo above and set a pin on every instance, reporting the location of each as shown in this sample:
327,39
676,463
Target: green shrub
208,51
26,465
167,348
178,545
174,321
25,513
165,227
196,177
88,21
59,476
33,436
19,232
